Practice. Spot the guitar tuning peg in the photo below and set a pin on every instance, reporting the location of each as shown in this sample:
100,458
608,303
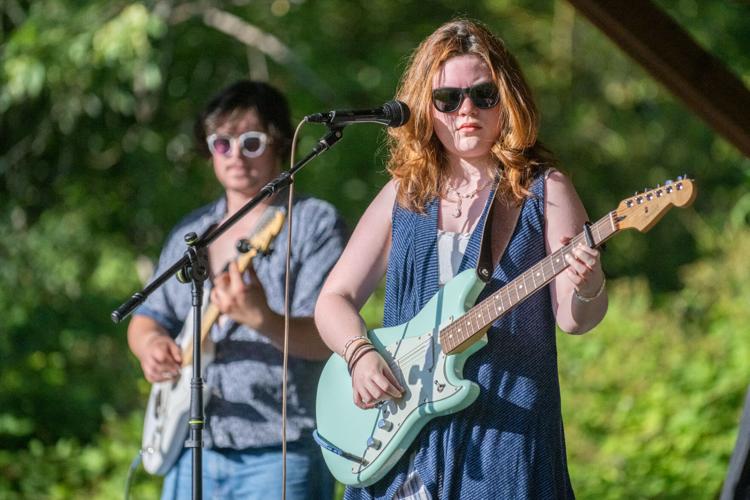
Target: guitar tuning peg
668,182
679,177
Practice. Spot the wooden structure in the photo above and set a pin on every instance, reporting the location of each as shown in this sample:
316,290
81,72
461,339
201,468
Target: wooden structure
670,54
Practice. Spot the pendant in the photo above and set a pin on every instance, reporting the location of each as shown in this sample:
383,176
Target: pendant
457,210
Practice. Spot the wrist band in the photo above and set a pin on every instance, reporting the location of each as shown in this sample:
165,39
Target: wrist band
360,354
354,347
358,348
595,296
349,343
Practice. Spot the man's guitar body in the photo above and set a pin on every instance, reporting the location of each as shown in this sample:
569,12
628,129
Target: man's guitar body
165,425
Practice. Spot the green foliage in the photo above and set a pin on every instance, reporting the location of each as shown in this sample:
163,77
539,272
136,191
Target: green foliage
72,469
652,397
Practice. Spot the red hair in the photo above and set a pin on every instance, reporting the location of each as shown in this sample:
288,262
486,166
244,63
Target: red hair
417,158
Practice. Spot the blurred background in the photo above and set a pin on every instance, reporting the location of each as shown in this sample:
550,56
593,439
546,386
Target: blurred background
97,100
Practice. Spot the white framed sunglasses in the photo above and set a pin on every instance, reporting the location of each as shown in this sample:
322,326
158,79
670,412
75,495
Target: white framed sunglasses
252,143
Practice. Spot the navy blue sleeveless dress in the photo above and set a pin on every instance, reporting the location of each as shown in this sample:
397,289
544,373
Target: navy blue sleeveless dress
509,443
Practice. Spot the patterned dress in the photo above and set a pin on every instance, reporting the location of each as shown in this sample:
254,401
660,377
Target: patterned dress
509,443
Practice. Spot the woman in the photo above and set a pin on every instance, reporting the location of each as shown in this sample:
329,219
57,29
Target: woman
472,138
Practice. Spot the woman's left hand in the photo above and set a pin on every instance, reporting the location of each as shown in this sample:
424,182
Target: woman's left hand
585,270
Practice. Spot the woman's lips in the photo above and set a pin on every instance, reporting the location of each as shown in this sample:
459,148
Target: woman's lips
469,126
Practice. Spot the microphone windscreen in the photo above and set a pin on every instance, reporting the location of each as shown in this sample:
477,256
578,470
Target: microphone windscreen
398,113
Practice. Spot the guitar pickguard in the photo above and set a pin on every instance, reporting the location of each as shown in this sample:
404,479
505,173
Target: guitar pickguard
419,364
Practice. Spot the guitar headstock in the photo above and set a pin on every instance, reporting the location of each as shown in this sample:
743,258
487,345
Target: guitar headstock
263,237
642,210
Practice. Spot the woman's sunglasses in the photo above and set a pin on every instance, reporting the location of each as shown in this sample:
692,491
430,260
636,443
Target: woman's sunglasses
252,144
449,99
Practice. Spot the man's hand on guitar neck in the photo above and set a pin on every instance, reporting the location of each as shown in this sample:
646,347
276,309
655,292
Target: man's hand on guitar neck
245,302
242,300
160,356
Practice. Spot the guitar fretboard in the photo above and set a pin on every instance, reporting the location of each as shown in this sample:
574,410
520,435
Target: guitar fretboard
467,328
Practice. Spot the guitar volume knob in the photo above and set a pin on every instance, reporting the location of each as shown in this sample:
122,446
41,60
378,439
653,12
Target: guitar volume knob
385,425
373,443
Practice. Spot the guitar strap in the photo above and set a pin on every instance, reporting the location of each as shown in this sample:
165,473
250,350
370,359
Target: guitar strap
499,227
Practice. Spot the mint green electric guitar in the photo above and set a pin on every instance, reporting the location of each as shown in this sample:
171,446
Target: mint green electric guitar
427,354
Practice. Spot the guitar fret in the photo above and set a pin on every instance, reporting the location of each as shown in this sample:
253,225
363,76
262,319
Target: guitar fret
465,331
557,261
612,222
455,340
543,268
526,277
513,289
518,288
485,316
541,274
498,303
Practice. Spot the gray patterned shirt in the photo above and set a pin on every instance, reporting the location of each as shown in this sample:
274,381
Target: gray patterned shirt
244,408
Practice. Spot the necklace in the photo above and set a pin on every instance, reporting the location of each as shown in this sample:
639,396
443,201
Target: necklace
460,197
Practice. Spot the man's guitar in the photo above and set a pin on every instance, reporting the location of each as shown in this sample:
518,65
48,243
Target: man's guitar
165,425
427,353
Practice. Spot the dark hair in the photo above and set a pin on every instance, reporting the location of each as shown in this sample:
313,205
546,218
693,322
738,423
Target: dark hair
242,96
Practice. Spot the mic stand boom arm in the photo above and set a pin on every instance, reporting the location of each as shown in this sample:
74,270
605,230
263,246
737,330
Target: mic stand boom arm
193,267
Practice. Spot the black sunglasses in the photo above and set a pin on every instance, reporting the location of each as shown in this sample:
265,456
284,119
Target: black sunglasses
449,99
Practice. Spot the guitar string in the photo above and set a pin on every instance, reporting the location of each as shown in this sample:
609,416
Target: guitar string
518,283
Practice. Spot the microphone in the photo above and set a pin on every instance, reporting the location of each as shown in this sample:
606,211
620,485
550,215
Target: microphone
392,114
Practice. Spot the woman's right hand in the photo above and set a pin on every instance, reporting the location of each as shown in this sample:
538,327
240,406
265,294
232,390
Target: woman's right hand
373,381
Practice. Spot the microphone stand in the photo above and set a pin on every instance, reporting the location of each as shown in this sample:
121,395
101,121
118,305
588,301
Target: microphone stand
193,268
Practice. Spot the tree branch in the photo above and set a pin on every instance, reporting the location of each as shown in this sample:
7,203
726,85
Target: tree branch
252,36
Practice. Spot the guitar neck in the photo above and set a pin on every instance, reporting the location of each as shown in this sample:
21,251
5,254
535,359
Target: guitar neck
260,242
463,332
212,313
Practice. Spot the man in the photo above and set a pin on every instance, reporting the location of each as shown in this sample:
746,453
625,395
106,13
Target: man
246,132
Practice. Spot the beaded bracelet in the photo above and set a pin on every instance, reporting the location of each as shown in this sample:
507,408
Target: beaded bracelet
350,342
595,296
